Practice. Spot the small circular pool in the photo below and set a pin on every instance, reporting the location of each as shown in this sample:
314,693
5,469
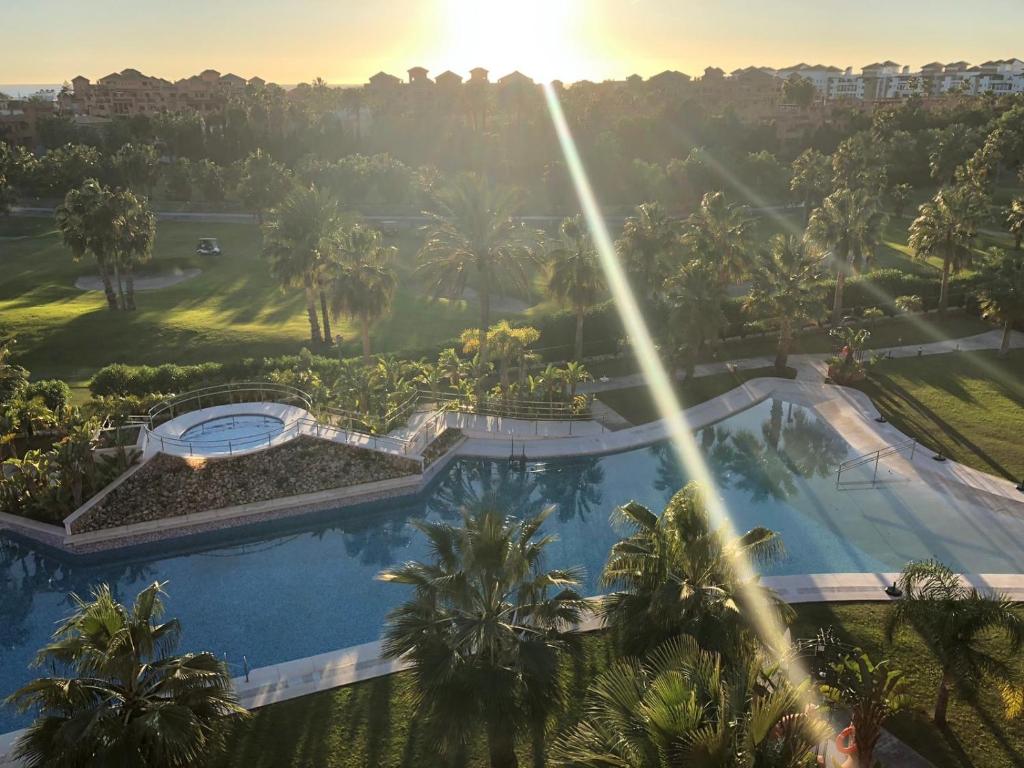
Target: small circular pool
232,433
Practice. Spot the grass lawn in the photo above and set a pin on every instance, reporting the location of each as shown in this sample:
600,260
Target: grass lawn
969,405
636,405
372,723
234,309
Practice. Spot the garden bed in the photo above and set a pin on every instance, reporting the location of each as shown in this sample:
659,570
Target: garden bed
441,445
169,486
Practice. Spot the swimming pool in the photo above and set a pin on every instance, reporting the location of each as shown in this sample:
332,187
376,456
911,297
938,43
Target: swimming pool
234,432
297,587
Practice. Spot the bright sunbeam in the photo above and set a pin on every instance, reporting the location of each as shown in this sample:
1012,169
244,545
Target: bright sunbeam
658,381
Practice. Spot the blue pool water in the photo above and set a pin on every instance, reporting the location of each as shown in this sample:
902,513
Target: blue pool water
292,588
237,432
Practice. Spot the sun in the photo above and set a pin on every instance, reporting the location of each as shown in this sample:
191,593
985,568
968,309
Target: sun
544,39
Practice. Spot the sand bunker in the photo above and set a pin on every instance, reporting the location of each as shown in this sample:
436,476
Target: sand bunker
142,282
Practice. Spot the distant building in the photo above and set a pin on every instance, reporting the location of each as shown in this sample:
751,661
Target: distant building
418,76
384,80
515,78
19,120
478,75
448,79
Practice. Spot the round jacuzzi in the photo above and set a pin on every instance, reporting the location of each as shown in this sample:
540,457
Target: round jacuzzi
234,432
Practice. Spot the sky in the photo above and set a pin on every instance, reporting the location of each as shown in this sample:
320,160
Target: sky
346,41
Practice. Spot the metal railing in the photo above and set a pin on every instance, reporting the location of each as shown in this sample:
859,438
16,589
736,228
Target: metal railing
873,458
223,394
514,409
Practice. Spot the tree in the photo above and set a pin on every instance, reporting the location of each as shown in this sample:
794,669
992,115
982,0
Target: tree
799,91
958,623
871,694
136,166
7,196
178,179
848,225
686,706
1002,291
674,574
721,232
126,698
898,195
263,183
472,236
648,248
365,282
576,277
300,238
811,180
134,234
1015,221
785,288
210,179
946,227
508,344
482,633
695,297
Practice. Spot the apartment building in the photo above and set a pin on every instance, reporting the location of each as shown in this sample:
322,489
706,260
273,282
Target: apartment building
127,93
19,120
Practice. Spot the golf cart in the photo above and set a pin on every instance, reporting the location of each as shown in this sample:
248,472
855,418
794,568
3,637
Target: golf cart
208,246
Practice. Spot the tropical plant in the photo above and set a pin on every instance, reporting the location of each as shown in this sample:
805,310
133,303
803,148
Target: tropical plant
125,699
483,632
847,225
1015,221
909,304
576,277
1002,291
686,706
811,180
946,227
263,183
696,296
472,236
675,574
721,232
959,624
509,344
785,288
648,247
871,694
300,239
898,195
133,237
364,283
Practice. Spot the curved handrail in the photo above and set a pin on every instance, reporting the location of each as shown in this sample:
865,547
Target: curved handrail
262,388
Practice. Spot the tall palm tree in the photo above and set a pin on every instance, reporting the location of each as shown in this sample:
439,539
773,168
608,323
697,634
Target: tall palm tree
696,296
1015,221
674,574
648,247
126,699
811,180
85,221
848,225
363,285
472,236
134,235
686,706
958,623
721,231
483,632
946,227
784,287
300,238
1002,291
576,276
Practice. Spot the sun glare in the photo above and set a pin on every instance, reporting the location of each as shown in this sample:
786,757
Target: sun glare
544,39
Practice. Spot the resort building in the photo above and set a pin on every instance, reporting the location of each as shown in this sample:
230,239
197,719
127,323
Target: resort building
19,119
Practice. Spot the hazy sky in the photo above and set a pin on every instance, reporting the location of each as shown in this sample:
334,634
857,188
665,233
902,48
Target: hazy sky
345,41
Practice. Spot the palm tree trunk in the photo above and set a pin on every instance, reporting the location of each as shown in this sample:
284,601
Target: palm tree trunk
782,351
942,701
314,321
944,288
539,746
129,282
108,286
837,304
578,348
120,287
365,330
328,334
500,746
1004,345
485,319
1017,240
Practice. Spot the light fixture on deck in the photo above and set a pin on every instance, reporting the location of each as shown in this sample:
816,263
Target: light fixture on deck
893,590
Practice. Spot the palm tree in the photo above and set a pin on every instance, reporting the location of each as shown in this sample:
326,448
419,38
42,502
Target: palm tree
1002,291
127,699
472,236
696,296
648,246
958,623
722,231
686,706
300,238
364,284
483,633
674,574
1015,221
576,276
848,224
811,180
785,288
871,694
133,240
85,221
946,227
574,374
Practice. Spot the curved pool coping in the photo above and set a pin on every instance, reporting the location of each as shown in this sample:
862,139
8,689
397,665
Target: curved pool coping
173,430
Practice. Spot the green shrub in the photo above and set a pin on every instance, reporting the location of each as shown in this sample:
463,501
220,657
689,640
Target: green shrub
55,394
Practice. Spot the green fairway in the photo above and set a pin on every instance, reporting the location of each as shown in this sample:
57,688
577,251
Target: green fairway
970,405
234,309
